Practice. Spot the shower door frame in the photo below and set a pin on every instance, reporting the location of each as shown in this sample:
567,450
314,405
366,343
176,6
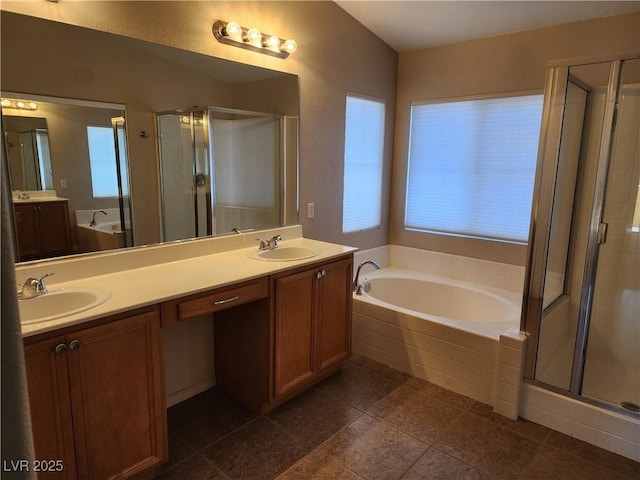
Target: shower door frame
557,76
208,114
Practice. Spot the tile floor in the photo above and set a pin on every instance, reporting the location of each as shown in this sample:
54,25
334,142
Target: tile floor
370,421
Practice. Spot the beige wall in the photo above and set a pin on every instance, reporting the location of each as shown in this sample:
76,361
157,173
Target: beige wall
335,55
507,63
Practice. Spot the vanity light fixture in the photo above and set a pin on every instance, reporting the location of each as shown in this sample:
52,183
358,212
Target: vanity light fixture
18,104
232,33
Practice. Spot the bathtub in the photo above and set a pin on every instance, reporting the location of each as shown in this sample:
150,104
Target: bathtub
111,228
103,236
479,310
458,335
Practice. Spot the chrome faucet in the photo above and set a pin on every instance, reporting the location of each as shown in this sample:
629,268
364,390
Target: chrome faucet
93,218
33,287
270,244
357,288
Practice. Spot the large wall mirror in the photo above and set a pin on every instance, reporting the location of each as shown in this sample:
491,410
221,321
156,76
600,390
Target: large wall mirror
149,142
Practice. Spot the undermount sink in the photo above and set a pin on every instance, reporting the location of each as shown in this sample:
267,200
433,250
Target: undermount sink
280,254
60,303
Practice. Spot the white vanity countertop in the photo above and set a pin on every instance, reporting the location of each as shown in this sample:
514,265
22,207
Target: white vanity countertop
37,196
152,284
39,199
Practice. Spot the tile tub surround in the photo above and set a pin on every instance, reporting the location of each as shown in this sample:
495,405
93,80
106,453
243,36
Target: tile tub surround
371,421
614,432
486,369
480,272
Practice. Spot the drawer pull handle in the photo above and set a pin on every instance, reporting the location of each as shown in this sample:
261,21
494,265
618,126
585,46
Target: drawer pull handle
227,300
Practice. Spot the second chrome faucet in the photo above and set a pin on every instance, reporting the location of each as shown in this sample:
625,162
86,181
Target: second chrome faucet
270,244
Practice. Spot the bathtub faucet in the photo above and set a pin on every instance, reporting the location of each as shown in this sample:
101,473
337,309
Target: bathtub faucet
93,219
357,288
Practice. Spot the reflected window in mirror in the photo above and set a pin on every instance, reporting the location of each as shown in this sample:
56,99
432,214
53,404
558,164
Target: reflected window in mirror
102,158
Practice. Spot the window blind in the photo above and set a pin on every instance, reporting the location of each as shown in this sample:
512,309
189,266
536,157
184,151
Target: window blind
363,154
472,166
102,157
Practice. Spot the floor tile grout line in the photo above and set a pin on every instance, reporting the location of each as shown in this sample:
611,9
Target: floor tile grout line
326,440
429,447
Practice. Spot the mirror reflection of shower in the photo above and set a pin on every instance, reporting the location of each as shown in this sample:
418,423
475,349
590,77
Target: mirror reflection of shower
222,169
27,143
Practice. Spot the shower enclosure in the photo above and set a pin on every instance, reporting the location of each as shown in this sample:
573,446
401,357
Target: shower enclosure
36,160
582,311
221,169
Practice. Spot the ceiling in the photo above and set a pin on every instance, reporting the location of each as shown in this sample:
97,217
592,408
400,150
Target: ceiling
415,25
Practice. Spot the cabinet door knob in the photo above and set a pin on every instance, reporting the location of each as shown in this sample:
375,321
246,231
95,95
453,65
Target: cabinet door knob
61,348
74,345
321,273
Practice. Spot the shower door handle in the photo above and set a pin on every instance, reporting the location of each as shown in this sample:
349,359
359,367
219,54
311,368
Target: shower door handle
201,180
602,233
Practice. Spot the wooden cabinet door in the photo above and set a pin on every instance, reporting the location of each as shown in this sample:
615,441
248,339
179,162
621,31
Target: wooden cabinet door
50,404
55,236
294,317
27,231
333,327
117,395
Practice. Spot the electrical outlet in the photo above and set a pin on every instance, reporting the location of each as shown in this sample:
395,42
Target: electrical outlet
311,210
63,184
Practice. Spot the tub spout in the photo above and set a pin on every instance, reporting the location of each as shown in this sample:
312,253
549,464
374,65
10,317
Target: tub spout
93,222
357,288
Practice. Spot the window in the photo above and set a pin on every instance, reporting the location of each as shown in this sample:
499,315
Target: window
363,152
102,157
472,166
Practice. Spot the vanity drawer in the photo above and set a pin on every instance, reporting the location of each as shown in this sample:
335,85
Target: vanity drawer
214,300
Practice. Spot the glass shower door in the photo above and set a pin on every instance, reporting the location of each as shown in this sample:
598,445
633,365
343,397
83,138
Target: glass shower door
247,159
612,358
185,175
582,310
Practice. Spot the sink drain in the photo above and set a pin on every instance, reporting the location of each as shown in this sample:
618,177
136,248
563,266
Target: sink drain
633,407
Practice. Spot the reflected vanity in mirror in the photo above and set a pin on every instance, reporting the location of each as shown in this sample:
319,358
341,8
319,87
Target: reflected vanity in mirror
85,173
133,164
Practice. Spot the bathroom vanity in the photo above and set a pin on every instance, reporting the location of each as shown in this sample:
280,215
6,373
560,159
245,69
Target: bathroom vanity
42,227
96,378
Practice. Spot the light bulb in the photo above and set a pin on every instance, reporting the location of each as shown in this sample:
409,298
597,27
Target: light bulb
253,35
33,105
272,42
289,46
6,102
20,104
233,29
